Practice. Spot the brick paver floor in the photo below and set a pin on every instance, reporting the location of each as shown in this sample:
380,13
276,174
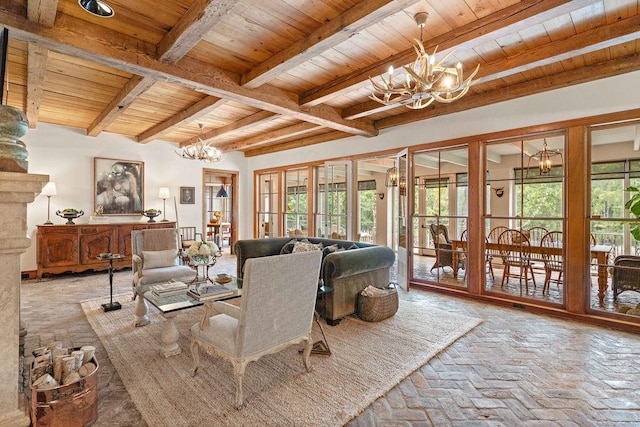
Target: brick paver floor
516,368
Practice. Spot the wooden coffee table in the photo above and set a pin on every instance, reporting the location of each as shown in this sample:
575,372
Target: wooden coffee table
171,306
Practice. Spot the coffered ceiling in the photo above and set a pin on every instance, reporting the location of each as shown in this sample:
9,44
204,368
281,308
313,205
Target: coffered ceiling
269,75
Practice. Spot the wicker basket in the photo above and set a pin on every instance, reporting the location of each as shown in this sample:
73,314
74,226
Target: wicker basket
380,307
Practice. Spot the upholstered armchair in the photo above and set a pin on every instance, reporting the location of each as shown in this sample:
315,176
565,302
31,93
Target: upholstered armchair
155,259
275,312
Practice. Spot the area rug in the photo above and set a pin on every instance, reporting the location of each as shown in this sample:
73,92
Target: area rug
367,360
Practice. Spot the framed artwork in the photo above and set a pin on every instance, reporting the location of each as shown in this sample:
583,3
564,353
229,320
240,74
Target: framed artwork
187,195
118,186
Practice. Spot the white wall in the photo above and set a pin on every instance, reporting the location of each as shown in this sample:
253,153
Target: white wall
588,99
66,155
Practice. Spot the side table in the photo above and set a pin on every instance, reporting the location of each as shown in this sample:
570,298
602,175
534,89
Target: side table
111,305
321,346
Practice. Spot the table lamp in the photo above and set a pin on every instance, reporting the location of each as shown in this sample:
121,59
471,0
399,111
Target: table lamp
49,190
163,194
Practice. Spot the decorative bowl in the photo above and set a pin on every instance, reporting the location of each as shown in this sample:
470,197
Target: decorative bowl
151,213
69,214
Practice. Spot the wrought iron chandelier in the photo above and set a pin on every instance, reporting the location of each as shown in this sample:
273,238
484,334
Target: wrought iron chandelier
544,158
199,150
426,81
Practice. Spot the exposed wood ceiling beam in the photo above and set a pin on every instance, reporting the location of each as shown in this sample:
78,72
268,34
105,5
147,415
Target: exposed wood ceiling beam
44,13
37,68
135,87
556,81
334,32
317,139
194,112
269,137
253,119
89,43
586,42
201,16
511,19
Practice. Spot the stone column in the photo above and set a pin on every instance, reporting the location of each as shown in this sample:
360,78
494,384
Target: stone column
16,191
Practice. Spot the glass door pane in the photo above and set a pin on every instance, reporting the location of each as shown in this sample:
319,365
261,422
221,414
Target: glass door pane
615,261
296,217
525,204
402,222
333,198
268,200
439,219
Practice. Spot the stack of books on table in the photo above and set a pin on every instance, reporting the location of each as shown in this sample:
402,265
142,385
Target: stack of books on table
169,289
209,291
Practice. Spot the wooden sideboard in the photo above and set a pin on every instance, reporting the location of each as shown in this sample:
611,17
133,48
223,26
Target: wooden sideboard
74,248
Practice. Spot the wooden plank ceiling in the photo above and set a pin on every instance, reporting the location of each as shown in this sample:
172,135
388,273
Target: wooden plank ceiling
268,75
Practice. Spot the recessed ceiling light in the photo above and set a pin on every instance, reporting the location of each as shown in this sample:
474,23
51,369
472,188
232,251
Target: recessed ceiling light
97,8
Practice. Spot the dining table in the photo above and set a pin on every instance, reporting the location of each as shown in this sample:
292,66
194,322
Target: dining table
600,253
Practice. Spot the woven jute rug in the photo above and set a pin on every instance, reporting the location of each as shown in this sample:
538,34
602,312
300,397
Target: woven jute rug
367,360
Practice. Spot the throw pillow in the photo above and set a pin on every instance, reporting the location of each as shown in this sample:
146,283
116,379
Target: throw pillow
354,246
306,247
441,239
329,249
159,259
288,247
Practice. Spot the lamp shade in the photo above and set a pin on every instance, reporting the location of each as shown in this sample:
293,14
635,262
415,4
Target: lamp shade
163,193
222,192
49,189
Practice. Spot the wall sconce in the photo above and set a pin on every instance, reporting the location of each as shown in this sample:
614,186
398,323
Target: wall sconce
402,183
392,177
381,196
163,193
49,190
499,191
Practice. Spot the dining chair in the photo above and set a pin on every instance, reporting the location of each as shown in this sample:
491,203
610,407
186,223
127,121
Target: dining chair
487,257
442,245
553,261
536,234
492,254
462,253
515,251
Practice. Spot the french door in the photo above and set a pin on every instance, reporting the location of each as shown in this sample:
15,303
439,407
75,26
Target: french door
334,201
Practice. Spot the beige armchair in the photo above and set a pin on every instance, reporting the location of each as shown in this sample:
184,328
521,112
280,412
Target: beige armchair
155,259
275,312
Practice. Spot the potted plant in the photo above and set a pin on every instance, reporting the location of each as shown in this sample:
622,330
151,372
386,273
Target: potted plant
633,205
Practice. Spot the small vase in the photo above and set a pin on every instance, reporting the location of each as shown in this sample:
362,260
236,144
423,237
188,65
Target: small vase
200,259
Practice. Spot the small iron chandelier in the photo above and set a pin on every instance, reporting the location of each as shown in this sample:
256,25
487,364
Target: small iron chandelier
426,81
544,156
199,150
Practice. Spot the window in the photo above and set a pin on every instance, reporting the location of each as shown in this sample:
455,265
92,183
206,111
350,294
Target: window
296,216
267,215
